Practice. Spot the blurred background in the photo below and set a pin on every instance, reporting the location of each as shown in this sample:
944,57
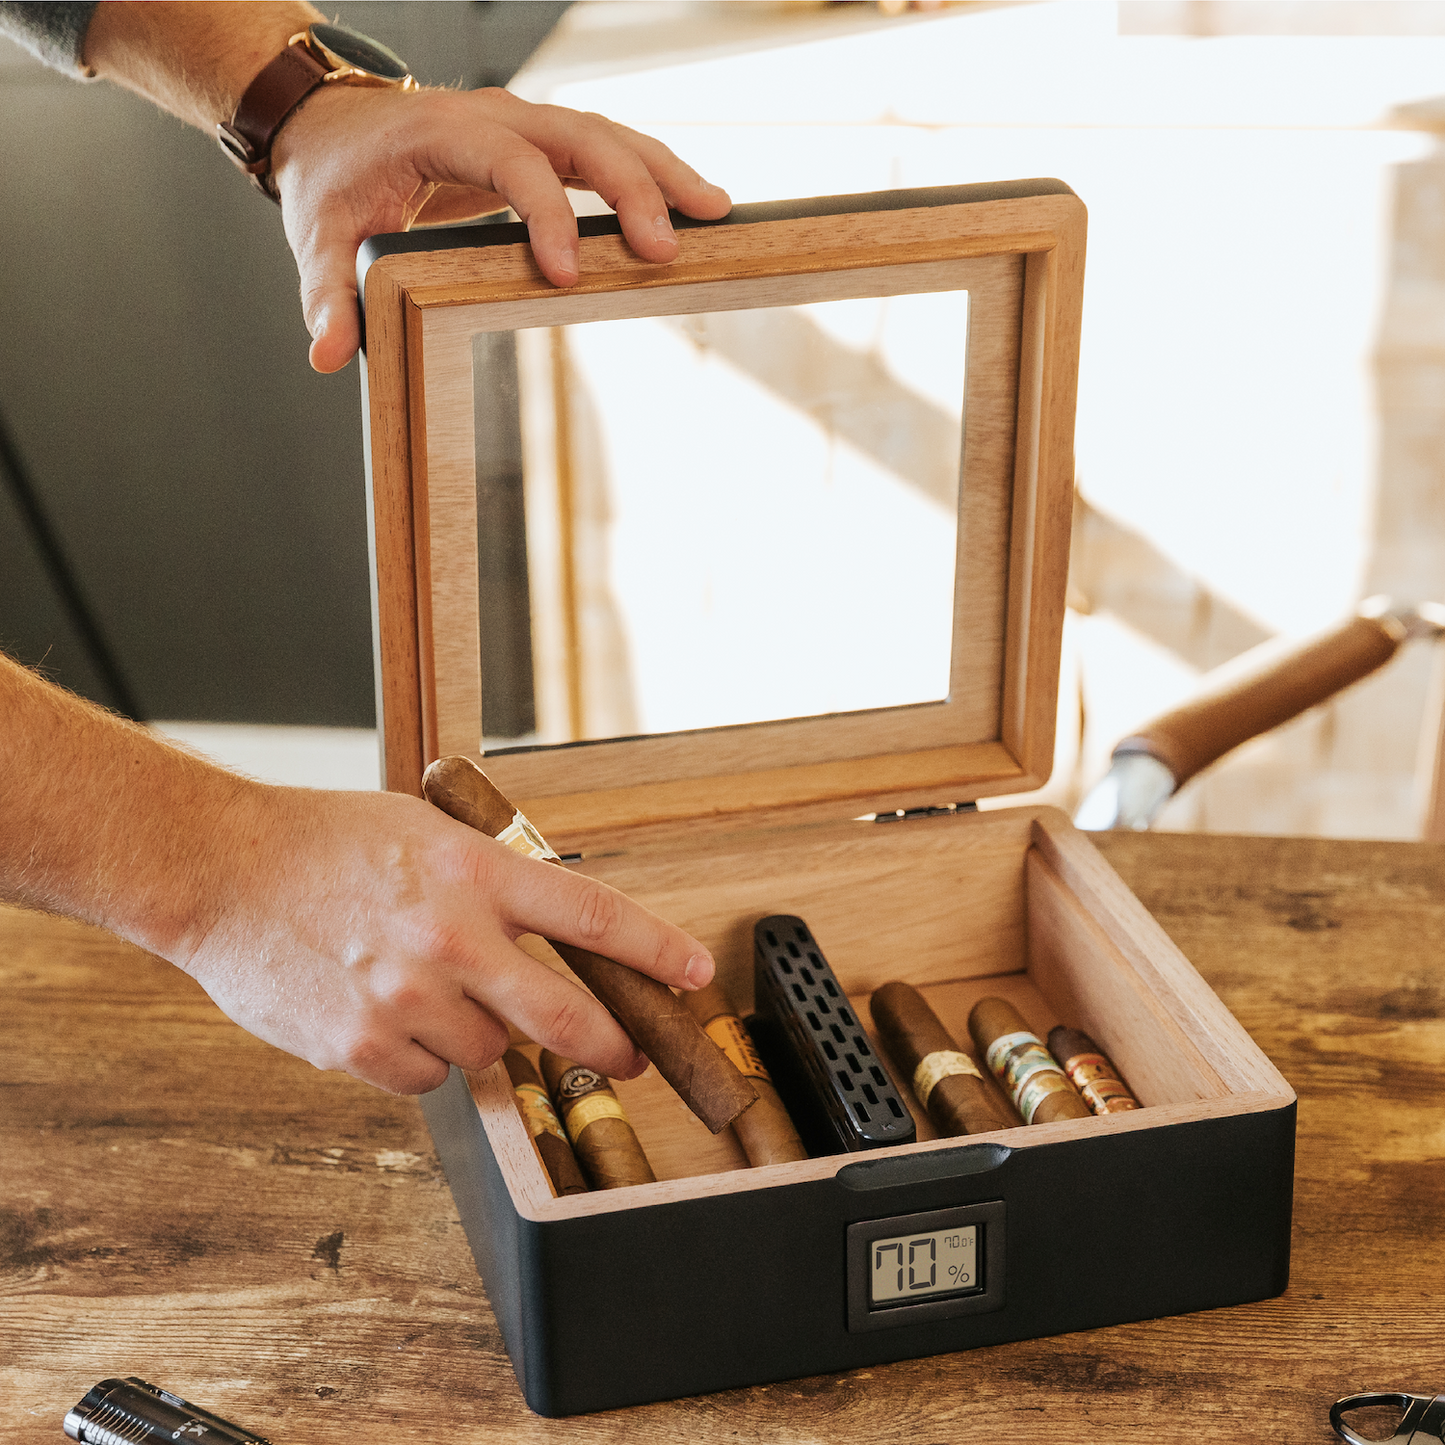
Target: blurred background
1261,429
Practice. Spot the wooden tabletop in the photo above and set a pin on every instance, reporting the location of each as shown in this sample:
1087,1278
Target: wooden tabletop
181,1202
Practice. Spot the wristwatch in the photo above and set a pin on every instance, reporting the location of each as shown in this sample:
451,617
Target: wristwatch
321,55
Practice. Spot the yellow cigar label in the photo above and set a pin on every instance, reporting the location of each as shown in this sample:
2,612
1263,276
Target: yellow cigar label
589,1110
728,1033
935,1067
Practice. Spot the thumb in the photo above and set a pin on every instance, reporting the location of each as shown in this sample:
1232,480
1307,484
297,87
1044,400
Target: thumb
335,325
326,261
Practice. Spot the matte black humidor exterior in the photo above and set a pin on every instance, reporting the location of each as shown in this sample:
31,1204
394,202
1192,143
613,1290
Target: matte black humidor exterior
659,1301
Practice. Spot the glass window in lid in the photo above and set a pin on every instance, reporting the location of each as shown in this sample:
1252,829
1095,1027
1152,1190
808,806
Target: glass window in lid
706,520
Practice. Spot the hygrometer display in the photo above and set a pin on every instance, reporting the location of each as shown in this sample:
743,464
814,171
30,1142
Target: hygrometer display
921,1266
913,1268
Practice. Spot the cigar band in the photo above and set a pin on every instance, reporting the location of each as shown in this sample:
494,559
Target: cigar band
1105,1100
521,837
1099,1082
537,1111
579,1080
1036,1088
729,1034
1004,1045
935,1067
589,1110
1026,1069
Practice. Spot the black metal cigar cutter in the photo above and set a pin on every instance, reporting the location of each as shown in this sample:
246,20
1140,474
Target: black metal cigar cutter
1423,1422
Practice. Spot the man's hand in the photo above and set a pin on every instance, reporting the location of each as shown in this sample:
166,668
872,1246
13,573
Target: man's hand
362,931
369,932
354,163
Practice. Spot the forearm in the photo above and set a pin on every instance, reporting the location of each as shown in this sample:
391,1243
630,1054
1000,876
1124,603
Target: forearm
193,58
106,822
365,931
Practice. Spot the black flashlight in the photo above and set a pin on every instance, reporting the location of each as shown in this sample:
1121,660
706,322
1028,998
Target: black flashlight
131,1412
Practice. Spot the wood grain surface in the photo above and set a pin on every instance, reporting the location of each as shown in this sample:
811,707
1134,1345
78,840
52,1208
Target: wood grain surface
182,1202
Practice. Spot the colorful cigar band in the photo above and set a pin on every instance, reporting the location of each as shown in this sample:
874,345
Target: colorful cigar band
728,1033
1027,1071
1098,1081
586,1097
520,836
537,1110
935,1067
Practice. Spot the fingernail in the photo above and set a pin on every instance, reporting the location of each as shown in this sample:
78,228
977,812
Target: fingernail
699,970
637,1069
568,260
662,228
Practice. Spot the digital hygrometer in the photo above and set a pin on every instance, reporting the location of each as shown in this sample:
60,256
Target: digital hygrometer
932,1266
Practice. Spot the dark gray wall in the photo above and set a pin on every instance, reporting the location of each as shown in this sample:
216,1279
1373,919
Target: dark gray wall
206,485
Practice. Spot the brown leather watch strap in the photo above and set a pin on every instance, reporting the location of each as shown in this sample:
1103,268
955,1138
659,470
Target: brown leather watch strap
279,88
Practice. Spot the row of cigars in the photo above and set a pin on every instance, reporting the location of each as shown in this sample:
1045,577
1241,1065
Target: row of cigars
585,1141
802,1080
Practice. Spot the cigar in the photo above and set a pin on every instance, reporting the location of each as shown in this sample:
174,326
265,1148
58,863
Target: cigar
655,1020
606,1146
765,1131
946,1081
558,1160
1030,1075
1091,1071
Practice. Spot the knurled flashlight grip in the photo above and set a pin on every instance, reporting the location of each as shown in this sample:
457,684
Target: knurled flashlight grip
132,1412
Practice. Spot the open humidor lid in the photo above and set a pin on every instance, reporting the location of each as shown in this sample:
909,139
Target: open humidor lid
465,338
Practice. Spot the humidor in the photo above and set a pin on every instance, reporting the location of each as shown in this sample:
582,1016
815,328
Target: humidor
860,820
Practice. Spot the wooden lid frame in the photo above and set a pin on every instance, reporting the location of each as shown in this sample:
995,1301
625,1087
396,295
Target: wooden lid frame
1017,247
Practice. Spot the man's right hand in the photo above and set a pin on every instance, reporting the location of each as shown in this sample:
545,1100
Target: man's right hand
370,932
361,931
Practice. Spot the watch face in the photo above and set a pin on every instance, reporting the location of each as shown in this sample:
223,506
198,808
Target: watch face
346,47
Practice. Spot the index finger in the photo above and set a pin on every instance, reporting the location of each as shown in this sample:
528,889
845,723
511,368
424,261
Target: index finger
551,900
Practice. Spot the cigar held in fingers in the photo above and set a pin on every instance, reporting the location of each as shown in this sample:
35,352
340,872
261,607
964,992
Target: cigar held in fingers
651,1014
